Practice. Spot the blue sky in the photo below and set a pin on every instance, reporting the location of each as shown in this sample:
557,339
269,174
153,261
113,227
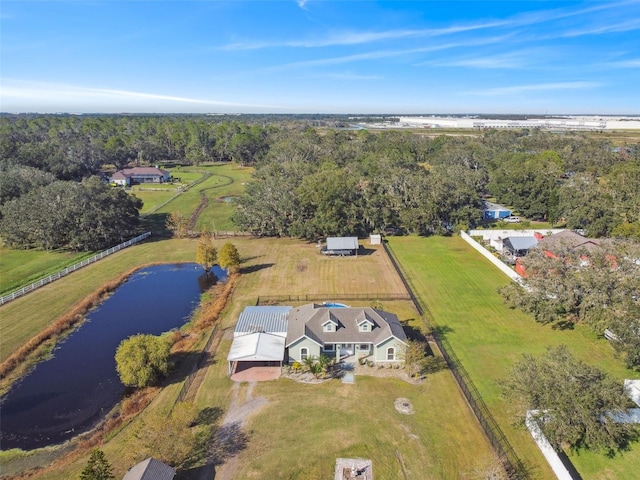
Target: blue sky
320,56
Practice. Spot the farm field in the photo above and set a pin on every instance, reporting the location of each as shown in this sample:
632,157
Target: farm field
225,180
20,267
459,288
442,439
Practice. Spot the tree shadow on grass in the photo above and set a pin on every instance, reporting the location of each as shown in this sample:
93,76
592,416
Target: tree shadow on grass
183,363
256,268
563,325
442,330
228,441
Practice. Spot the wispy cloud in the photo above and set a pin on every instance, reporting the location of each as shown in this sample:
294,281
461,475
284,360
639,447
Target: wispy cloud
627,26
537,87
379,54
359,38
28,90
349,76
509,60
634,63
302,3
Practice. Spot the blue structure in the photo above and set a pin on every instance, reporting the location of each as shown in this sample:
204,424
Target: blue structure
494,211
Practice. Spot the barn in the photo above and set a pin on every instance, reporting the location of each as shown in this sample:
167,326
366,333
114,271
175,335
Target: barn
342,246
494,211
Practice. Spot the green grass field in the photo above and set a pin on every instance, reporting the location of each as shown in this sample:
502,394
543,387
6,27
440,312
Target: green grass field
459,288
442,439
20,267
302,429
225,180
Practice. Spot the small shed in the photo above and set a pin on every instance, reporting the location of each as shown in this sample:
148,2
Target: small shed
375,239
341,246
519,246
494,211
150,469
259,349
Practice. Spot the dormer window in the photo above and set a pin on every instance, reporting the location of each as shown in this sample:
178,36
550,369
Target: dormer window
365,326
329,326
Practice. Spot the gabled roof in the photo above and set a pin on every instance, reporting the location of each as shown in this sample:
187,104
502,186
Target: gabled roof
342,243
268,319
150,469
257,346
144,171
567,239
307,321
520,243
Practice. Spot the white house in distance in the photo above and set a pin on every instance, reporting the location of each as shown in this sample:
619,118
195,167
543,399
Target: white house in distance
267,336
129,176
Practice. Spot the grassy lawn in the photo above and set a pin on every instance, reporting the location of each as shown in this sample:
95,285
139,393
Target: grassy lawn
302,429
459,288
226,180
442,439
19,267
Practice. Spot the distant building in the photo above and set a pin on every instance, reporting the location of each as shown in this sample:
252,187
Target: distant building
150,469
130,176
341,246
494,211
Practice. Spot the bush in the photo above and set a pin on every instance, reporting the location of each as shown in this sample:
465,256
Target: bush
142,360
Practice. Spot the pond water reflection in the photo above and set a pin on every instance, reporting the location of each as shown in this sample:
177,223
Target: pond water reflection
71,392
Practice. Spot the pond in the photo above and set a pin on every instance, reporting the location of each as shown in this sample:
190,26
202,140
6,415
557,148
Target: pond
71,392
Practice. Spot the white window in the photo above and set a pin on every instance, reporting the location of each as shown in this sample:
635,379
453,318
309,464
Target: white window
391,353
329,327
304,353
329,347
365,327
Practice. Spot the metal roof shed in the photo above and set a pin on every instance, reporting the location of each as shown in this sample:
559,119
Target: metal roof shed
519,246
269,319
342,243
256,347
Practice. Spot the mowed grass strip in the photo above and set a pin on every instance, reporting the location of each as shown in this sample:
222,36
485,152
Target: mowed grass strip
302,429
460,288
18,267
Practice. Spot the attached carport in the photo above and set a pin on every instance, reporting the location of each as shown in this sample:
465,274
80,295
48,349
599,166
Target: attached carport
258,355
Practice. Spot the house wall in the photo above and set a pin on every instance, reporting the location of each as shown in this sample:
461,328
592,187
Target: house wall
380,351
294,349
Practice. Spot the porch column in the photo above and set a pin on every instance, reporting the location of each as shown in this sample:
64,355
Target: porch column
338,353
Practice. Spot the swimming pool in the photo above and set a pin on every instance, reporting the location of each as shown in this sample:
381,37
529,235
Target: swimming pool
334,305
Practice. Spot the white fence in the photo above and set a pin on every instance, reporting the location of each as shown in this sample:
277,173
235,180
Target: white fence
489,256
68,270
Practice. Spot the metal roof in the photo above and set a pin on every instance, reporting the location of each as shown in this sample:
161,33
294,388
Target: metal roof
150,469
257,346
268,319
342,243
486,205
520,243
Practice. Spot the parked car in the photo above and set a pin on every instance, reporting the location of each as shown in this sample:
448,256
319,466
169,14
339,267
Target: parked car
511,219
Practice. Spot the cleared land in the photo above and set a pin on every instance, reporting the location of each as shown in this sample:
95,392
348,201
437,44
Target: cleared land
441,440
459,288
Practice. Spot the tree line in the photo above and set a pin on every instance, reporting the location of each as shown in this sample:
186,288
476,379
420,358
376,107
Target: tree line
312,182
